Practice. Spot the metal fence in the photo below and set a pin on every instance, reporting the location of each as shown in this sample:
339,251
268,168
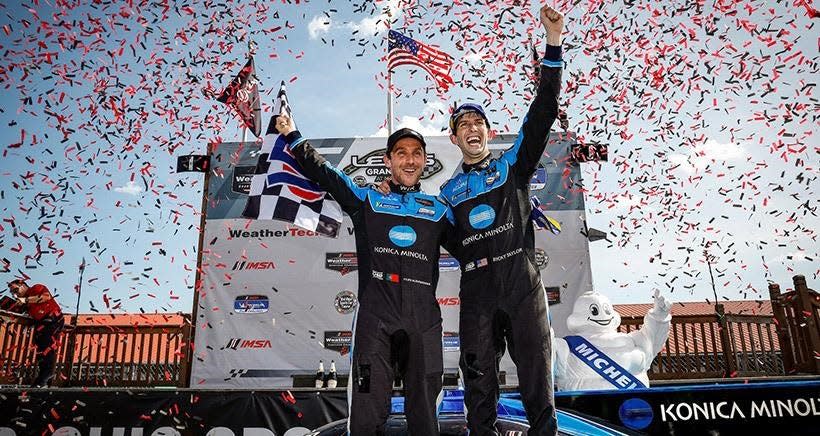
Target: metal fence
703,346
131,355
715,346
797,314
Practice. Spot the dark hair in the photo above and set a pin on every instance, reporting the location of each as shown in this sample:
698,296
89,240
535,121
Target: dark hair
16,282
404,133
465,109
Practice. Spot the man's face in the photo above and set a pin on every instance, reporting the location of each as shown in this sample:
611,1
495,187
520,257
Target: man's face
406,161
471,137
18,289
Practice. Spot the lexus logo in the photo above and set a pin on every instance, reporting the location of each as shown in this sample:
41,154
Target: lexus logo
373,165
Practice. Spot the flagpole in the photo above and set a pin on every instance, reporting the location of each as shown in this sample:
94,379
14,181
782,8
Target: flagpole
187,373
389,102
389,83
251,51
79,293
72,336
198,280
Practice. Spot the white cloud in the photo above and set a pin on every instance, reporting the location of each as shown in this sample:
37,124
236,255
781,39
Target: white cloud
371,26
367,27
473,58
707,153
319,26
795,256
433,118
131,188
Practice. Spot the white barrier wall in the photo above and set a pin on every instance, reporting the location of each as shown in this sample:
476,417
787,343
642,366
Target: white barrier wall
275,299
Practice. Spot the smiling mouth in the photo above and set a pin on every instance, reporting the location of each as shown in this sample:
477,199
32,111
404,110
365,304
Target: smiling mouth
601,321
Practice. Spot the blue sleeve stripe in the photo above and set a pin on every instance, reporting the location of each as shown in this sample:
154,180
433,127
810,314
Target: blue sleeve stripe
359,192
297,142
554,64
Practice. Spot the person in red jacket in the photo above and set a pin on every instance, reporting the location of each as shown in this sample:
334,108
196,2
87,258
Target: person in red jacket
48,321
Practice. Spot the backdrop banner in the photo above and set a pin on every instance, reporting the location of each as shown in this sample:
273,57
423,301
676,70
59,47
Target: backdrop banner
276,298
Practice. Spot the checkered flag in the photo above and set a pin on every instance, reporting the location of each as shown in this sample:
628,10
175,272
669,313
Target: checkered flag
234,373
280,191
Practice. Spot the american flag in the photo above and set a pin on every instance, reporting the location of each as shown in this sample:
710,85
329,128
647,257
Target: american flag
280,191
402,50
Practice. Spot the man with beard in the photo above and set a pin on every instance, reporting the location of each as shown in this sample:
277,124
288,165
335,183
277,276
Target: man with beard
397,327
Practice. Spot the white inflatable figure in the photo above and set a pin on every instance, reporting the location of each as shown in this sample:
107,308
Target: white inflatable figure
594,320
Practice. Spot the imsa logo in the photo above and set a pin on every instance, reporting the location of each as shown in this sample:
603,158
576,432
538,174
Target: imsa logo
247,265
448,301
242,344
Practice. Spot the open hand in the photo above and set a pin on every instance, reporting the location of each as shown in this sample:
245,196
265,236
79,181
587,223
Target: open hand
662,306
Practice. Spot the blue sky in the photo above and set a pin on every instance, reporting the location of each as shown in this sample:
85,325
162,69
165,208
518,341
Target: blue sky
711,118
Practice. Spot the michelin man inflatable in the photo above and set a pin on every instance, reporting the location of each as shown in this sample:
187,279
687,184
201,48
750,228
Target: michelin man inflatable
596,356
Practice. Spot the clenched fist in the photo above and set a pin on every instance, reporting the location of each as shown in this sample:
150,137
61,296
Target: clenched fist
284,123
553,22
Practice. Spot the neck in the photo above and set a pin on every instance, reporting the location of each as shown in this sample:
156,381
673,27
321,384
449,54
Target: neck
473,160
470,164
403,189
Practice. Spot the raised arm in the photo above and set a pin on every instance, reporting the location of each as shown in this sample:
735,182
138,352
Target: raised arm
532,137
349,195
652,336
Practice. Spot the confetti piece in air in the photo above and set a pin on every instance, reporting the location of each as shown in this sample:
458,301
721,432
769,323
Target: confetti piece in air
709,112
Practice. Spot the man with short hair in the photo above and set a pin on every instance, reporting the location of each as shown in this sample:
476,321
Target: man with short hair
48,323
503,301
397,327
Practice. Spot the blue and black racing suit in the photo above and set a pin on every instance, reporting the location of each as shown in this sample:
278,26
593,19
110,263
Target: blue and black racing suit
503,301
398,321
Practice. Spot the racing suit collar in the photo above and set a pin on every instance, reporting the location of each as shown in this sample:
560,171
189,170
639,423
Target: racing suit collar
480,165
401,189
